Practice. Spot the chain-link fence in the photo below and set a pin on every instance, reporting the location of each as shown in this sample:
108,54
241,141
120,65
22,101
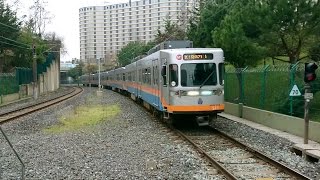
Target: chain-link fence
268,87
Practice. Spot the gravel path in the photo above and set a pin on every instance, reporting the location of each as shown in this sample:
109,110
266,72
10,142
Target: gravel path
129,146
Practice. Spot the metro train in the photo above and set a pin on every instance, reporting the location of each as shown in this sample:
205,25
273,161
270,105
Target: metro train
172,82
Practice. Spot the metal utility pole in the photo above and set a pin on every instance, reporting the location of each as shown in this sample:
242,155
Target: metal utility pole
99,92
99,75
35,79
307,97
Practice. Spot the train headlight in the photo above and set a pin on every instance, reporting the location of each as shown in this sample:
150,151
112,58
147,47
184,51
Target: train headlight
193,93
218,92
206,93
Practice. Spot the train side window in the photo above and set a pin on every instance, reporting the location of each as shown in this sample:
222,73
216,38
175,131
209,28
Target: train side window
164,75
173,76
144,77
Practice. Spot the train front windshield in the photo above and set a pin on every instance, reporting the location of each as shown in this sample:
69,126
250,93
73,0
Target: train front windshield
198,74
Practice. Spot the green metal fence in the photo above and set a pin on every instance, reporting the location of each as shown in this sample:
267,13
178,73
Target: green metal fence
268,87
42,68
8,83
24,75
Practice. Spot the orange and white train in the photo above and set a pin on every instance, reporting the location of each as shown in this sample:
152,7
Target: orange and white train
172,82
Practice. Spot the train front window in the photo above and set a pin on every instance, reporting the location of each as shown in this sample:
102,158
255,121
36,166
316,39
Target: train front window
197,74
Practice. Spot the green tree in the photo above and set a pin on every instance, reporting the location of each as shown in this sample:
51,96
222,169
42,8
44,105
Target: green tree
288,27
91,68
77,71
314,52
172,31
205,19
9,33
132,50
236,35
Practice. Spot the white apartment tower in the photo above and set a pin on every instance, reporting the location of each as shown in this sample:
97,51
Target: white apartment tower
104,30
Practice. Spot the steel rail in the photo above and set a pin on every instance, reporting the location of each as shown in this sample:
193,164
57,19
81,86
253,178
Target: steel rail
255,152
36,107
38,103
218,165
28,110
266,158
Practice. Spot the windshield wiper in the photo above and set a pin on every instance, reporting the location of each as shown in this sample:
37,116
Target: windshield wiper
206,79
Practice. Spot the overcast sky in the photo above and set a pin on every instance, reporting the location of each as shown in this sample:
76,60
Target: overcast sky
65,22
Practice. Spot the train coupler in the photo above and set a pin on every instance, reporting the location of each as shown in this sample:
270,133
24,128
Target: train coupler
202,120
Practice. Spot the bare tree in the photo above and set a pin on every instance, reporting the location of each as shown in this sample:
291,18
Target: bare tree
39,17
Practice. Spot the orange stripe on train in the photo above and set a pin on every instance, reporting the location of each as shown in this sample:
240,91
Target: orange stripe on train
200,108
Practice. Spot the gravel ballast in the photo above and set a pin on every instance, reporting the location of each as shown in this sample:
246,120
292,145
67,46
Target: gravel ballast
274,146
129,146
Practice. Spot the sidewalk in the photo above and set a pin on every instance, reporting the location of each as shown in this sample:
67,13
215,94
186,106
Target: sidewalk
310,151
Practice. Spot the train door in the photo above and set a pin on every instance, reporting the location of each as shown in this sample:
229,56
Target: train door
164,87
155,85
136,82
139,83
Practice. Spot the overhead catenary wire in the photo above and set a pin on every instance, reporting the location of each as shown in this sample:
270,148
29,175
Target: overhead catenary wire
9,26
15,41
14,45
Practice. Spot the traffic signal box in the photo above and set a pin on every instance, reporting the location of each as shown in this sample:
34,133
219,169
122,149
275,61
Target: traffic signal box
310,72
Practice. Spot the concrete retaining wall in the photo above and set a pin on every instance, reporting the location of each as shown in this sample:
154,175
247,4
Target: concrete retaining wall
278,121
50,77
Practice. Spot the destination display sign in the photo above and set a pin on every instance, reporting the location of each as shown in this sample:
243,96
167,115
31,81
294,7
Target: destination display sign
198,56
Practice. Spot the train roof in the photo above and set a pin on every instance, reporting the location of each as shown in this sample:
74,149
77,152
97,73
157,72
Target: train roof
191,49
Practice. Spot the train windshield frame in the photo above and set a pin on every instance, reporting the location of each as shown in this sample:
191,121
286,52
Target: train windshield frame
197,74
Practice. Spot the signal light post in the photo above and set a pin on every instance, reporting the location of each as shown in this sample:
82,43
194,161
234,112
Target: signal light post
309,76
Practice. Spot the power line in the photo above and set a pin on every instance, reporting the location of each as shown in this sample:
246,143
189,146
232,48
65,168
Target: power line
9,26
14,45
15,41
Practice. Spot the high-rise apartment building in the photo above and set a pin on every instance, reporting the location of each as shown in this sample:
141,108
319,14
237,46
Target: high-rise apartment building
104,30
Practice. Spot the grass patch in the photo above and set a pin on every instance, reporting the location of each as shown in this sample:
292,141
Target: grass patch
84,116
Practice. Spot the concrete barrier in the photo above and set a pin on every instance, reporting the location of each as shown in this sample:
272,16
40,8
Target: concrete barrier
290,124
10,97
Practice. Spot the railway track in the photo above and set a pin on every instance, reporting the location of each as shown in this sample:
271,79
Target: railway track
232,158
7,116
23,111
